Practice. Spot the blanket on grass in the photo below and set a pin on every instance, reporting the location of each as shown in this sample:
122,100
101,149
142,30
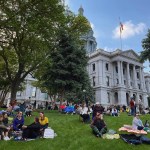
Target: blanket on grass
129,129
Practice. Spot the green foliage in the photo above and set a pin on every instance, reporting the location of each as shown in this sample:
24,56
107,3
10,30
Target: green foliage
145,54
27,34
66,70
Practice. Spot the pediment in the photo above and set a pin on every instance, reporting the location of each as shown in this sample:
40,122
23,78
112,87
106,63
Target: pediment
130,54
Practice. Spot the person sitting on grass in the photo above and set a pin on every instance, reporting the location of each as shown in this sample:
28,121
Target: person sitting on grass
114,112
28,110
3,130
31,131
43,120
5,119
85,113
137,123
98,125
18,122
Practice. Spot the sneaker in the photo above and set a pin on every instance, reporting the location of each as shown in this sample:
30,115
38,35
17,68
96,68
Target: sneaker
6,138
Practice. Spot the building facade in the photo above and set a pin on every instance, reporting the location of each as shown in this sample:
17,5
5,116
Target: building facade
31,92
117,76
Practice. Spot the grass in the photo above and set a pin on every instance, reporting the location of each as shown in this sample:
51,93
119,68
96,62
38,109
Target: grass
75,135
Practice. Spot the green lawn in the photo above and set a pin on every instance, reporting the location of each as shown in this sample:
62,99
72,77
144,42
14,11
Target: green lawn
75,135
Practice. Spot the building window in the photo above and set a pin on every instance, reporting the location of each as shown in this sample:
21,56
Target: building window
46,96
93,67
108,97
116,69
107,80
19,93
117,81
91,46
131,84
94,81
124,82
130,73
107,66
139,86
34,92
123,71
138,75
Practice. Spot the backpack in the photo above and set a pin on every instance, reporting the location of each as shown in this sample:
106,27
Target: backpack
49,133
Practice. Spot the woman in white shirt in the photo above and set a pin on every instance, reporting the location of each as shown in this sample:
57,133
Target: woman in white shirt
137,123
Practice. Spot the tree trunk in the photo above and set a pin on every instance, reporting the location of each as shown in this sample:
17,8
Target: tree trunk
3,95
14,89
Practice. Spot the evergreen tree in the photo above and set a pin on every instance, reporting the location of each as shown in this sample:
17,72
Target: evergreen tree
66,71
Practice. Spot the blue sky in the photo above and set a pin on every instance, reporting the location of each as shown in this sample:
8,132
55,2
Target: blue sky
104,18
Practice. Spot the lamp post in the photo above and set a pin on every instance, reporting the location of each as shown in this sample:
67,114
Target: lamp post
85,99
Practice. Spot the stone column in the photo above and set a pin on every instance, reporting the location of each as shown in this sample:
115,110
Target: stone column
141,78
135,77
97,74
104,74
121,69
100,73
128,75
119,72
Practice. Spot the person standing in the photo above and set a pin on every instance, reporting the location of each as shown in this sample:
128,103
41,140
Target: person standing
132,106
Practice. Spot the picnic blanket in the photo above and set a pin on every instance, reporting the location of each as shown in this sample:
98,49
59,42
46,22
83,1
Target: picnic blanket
129,129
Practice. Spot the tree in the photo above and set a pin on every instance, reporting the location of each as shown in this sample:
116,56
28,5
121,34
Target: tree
27,34
4,83
145,54
65,70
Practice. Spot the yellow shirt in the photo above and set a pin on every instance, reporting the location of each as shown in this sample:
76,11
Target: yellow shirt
44,121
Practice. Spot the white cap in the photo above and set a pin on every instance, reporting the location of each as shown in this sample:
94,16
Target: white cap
97,103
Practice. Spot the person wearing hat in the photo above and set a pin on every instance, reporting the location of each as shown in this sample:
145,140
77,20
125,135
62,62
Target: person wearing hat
137,123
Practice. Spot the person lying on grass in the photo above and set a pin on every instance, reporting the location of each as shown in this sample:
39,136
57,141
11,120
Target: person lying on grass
98,125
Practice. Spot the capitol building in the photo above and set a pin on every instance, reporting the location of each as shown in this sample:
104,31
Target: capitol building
115,76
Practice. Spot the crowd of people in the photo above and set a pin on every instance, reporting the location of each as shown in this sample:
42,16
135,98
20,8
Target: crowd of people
87,113
16,126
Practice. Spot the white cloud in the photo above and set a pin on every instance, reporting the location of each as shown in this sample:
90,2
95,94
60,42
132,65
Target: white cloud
129,30
108,49
96,32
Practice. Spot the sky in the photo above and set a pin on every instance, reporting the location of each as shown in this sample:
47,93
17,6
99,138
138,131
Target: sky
105,17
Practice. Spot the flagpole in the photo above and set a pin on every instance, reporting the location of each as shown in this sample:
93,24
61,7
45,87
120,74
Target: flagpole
120,40
120,27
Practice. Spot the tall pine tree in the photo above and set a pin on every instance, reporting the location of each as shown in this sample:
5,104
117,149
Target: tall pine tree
66,70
